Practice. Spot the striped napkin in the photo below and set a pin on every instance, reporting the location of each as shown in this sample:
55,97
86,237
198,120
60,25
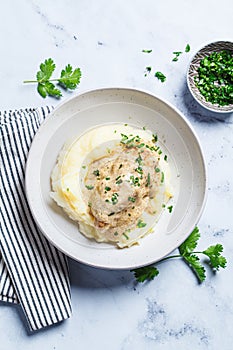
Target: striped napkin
33,273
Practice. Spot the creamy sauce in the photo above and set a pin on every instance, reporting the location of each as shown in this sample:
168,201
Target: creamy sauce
120,186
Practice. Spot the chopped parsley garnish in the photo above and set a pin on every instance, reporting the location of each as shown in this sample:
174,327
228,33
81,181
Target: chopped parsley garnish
215,79
96,172
148,180
144,128
139,170
89,187
165,157
124,138
135,180
125,235
130,140
157,170
107,178
141,224
114,198
116,233
89,204
152,148
84,166
147,71
131,199
120,166
107,188
111,214
146,51
163,205
67,189
177,54
141,145
162,177
154,138
139,160
187,48
118,180
160,76
170,208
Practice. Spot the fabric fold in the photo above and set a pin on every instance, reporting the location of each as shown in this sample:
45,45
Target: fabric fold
33,272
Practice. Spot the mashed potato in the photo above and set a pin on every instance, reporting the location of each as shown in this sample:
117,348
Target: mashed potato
114,182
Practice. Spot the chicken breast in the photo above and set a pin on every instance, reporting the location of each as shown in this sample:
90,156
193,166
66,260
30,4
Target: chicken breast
119,187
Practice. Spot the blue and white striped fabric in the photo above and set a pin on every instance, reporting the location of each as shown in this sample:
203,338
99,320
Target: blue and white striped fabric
33,273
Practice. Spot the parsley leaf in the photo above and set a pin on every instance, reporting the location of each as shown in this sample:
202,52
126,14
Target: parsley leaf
70,79
194,262
214,254
46,70
190,243
48,89
145,273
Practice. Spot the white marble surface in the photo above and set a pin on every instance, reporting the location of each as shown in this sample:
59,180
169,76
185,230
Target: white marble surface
105,39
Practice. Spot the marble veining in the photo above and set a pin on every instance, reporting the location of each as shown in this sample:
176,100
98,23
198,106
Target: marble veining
156,326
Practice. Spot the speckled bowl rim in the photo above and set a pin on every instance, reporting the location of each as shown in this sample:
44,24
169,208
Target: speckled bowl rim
218,45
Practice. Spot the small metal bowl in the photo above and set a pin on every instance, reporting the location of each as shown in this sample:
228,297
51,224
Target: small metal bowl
193,71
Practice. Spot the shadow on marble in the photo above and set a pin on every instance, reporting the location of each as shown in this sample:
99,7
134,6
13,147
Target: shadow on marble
84,276
19,314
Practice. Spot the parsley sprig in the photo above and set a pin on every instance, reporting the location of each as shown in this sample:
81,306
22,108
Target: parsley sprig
69,79
189,255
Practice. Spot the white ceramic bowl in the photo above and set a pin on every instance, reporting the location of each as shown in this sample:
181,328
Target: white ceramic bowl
137,108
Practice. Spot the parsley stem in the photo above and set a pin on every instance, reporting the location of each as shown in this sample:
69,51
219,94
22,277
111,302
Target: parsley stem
170,257
39,81
30,81
177,256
